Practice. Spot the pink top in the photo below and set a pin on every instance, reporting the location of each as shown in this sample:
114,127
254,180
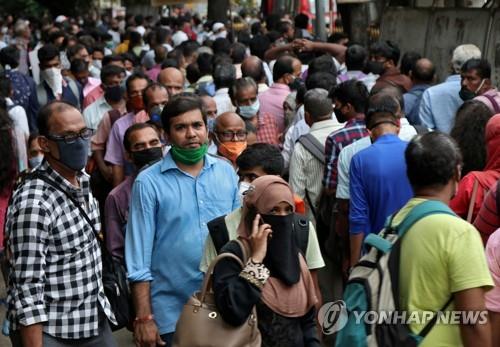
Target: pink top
271,101
492,296
94,94
154,72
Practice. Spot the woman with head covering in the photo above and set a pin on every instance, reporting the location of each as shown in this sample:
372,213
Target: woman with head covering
275,279
483,179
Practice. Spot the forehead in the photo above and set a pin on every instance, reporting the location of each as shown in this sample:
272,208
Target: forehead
188,117
232,121
247,92
171,76
157,94
257,171
138,84
66,120
143,135
209,102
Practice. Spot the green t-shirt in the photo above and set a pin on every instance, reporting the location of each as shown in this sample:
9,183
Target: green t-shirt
441,254
313,254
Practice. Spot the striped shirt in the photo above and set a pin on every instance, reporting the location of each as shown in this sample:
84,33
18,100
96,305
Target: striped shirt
488,220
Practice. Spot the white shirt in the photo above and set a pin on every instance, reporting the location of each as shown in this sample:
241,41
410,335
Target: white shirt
21,131
262,87
94,112
305,170
406,133
179,37
140,29
223,101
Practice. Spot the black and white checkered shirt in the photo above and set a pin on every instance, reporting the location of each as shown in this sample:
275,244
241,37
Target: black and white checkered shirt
55,259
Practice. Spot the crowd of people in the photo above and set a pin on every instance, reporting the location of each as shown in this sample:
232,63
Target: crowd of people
169,141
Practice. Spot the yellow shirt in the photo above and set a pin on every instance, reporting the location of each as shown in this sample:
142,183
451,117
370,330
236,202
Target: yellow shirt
441,254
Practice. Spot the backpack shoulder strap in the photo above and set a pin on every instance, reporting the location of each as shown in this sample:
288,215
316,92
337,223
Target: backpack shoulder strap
420,129
420,211
494,103
313,146
301,227
218,232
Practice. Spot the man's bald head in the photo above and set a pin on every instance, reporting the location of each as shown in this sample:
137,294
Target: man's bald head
423,72
209,106
172,79
228,122
253,67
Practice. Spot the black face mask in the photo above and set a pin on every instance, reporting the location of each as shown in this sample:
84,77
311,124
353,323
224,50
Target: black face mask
375,67
282,257
113,94
146,156
296,84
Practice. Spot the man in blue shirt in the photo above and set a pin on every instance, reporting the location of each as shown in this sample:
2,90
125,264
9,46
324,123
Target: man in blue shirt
422,76
378,182
440,103
171,203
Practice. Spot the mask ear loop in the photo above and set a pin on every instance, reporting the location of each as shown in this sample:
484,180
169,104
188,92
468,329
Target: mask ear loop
480,86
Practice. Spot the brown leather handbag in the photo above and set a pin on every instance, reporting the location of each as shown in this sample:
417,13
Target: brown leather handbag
201,325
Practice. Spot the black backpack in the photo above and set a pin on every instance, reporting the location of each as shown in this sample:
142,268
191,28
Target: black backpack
220,235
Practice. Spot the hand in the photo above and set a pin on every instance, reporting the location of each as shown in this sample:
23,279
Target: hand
146,335
107,172
258,239
305,45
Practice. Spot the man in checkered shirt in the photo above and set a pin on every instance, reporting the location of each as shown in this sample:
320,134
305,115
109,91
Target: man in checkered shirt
56,295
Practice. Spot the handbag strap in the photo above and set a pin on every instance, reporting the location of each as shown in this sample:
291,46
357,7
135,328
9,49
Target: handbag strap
472,201
207,281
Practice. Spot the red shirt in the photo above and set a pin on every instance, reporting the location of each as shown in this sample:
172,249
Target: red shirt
488,220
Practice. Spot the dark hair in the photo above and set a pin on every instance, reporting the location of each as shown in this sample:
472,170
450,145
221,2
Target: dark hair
408,62
284,27
386,49
135,40
431,160
238,51
79,65
423,73
151,87
263,155
323,63
282,66
98,47
256,28
381,106
352,92
111,70
224,76
259,45
73,50
469,133
323,80
10,55
108,59
255,71
189,48
394,92
47,52
337,37
482,67
180,104
139,19
162,34
301,21
205,63
5,86
221,46
133,128
170,62
193,73
355,57
8,164
53,36
135,76
176,54
47,111
160,54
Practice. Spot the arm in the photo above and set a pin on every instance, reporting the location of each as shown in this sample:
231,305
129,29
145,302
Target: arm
106,170
146,333
274,52
115,241
118,174
317,289
495,327
425,111
336,50
359,213
114,154
31,335
297,176
472,300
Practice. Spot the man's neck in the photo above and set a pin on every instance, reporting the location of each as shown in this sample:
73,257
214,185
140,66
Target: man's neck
68,174
356,116
432,193
193,170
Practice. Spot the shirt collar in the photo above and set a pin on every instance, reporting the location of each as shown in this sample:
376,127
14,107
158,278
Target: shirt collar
354,121
168,162
328,123
280,86
452,78
64,184
388,138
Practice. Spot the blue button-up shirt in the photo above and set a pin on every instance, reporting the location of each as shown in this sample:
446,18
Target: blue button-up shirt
167,228
412,103
440,103
378,184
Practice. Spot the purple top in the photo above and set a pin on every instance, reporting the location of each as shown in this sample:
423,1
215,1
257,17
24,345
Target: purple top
117,204
271,101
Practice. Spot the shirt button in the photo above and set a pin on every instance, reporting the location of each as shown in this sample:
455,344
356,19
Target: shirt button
201,201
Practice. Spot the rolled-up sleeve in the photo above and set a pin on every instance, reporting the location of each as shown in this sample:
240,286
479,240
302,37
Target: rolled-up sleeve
141,229
27,230
359,212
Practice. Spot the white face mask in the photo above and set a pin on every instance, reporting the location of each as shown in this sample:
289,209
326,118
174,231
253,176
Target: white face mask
54,78
242,188
97,63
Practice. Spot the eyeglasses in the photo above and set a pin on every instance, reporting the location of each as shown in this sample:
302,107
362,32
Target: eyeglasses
84,134
230,135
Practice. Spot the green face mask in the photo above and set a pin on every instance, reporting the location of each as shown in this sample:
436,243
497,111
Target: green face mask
188,156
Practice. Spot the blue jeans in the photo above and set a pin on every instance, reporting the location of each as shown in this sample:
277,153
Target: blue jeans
167,338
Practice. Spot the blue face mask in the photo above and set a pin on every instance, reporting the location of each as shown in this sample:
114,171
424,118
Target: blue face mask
74,155
211,124
249,111
35,161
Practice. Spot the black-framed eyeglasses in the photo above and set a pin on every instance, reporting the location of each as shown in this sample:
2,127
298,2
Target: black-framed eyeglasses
84,134
230,135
